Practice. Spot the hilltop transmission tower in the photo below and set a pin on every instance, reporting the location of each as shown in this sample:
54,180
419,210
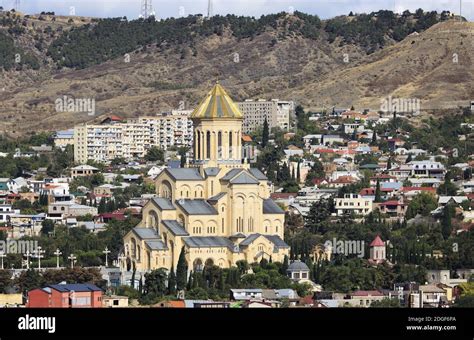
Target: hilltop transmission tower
147,9
209,8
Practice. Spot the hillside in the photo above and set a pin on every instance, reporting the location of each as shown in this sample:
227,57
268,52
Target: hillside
289,57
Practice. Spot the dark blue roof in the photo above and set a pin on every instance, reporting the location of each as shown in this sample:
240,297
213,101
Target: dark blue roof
163,203
213,171
77,287
146,233
258,174
275,239
244,178
208,241
270,207
196,207
173,164
175,227
185,174
156,245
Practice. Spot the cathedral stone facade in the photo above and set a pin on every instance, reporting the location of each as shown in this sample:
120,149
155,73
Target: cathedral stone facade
217,208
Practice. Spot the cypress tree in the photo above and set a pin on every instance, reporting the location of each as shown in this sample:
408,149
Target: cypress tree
190,281
298,174
378,194
172,282
181,271
265,133
284,265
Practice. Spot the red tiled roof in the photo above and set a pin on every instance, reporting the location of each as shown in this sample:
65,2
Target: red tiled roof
377,242
282,195
115,118
246,138
345,179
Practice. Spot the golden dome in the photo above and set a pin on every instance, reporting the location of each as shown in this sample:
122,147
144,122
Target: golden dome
217,104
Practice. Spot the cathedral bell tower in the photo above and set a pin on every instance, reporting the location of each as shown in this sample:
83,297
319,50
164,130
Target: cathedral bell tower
217,131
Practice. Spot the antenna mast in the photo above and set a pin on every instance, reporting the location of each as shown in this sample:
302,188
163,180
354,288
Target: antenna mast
209,8
147,8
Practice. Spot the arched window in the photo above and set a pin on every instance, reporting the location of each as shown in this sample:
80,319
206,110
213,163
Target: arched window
198,145
208,148
230,144
219,145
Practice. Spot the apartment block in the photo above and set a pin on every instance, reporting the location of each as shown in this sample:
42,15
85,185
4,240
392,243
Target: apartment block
173,128
104,142
353,203
277,113
132,139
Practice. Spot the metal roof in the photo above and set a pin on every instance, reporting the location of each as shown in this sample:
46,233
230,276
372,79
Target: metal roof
175,227
76,287
231,174
163,203
275,239
258,174
185,174
217,104
244,178
208,241
156,245
146,233
213,171
196,207
270,207
217,197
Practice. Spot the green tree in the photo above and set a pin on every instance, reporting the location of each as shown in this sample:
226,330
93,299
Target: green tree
172,282
446,221
155,283
378,193
265,133
386,303
5,281
47,226
422,204
28,280
155,154
181,271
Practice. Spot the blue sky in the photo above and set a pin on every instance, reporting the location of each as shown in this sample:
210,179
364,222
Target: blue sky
174,8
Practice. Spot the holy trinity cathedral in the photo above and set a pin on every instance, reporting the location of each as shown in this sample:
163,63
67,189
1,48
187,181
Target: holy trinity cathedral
217,208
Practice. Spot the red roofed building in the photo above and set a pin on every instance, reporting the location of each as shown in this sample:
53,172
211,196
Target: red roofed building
342,181
377,251
410,192
111,119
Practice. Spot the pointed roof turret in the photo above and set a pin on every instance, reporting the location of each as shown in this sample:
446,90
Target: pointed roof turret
377,242
217,104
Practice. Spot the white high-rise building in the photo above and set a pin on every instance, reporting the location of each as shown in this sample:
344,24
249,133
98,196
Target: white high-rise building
132,139
277,112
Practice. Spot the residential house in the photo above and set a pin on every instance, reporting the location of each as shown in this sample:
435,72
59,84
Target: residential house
353,203
83,171
83,295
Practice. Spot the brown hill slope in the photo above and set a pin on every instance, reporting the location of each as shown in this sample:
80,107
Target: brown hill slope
313,72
